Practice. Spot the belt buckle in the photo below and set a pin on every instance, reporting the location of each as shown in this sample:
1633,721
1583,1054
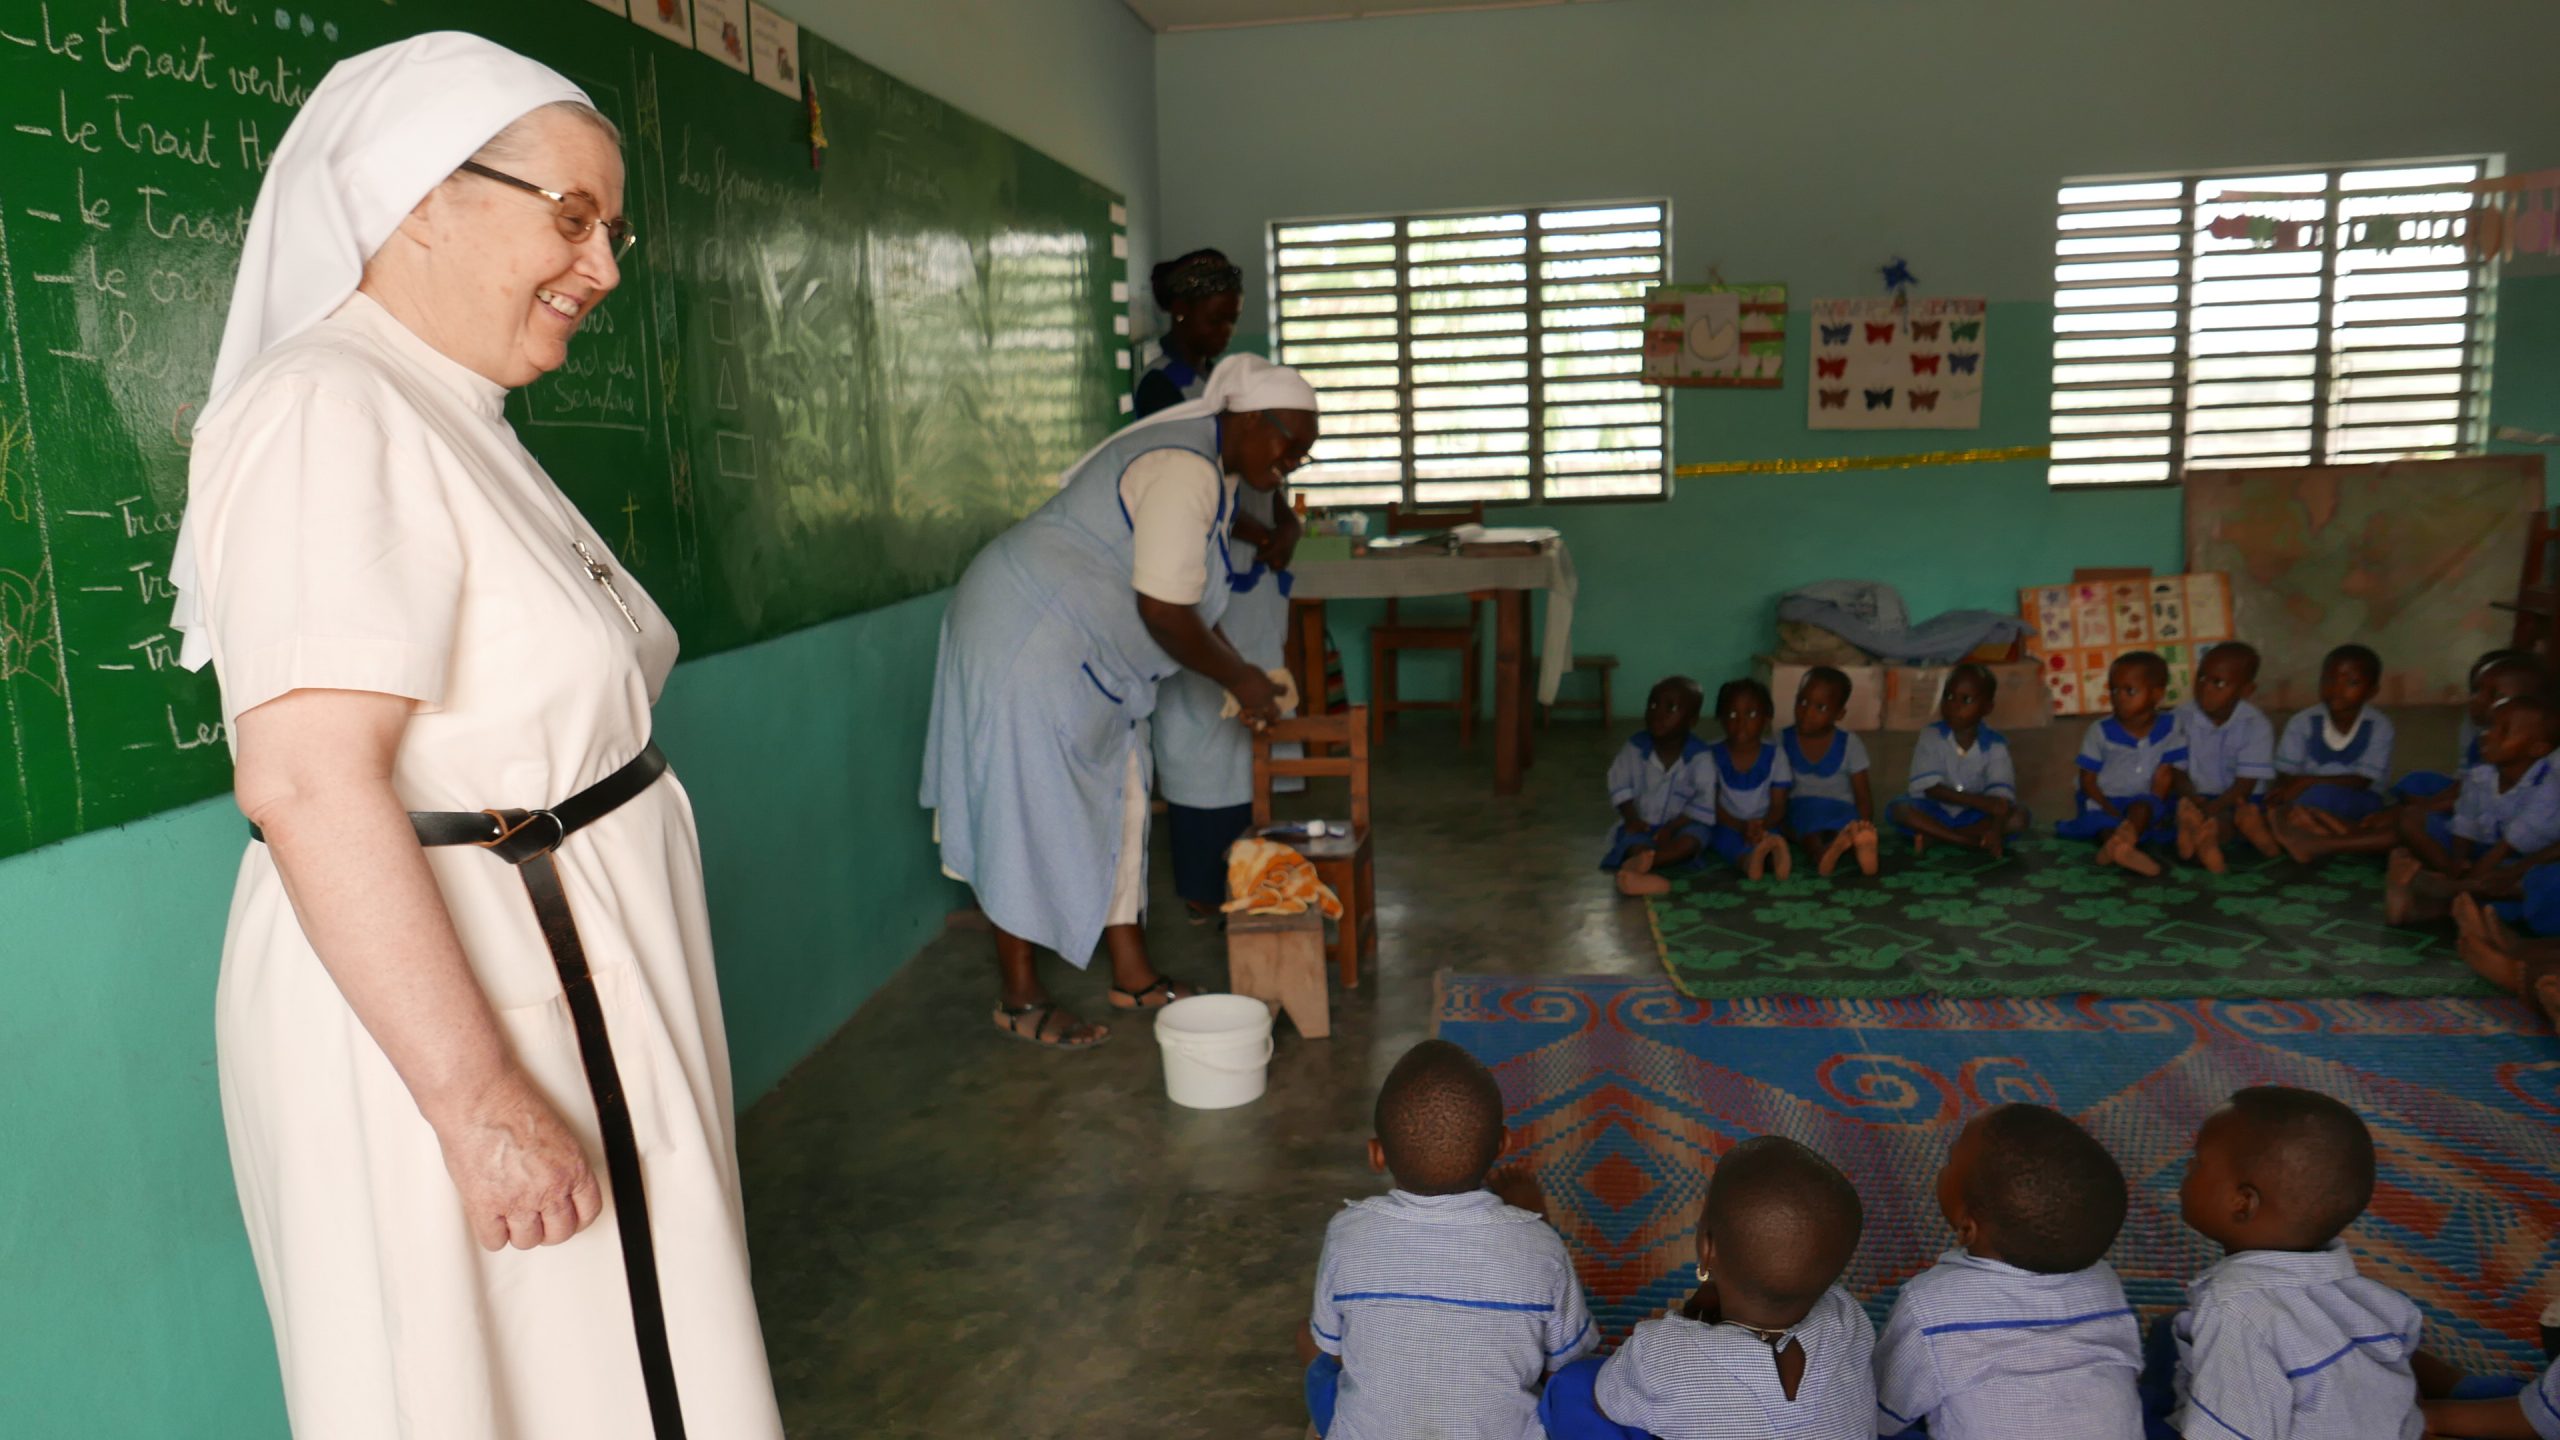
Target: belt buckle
513,843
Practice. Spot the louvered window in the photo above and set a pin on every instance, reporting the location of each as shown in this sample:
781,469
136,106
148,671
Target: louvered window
2303,317
1474,357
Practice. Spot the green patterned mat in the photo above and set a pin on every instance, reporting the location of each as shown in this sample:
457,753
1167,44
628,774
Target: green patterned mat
2047,921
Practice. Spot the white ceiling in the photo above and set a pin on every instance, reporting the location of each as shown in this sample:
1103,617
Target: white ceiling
1168,15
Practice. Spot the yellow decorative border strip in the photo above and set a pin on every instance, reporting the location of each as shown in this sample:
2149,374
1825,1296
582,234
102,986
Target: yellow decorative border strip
1866,462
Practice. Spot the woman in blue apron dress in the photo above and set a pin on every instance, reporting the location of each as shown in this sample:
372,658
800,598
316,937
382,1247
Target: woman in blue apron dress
1053,647
1204,761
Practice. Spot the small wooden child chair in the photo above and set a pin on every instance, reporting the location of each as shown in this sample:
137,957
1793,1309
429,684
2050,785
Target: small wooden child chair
1388,642
1342,862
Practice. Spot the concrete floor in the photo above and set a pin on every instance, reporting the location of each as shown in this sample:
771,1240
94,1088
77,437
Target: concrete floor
956,1235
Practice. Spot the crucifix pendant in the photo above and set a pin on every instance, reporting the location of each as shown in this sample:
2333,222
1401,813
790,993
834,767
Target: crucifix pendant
602,574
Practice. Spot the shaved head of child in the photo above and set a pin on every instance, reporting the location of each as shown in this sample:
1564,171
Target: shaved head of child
2278,1168
1778,1227
1439,1121
2026,1186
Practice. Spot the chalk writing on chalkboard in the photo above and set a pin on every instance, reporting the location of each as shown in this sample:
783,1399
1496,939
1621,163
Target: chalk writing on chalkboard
814,392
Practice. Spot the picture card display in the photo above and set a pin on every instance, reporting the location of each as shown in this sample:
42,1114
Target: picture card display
2081,629
720,31
1716,335
777,49
1888,364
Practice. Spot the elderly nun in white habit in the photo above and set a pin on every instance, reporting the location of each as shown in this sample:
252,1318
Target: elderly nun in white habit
472,1066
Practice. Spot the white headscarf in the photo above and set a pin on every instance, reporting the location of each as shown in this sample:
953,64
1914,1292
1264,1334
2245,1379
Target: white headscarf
1241,382
380,131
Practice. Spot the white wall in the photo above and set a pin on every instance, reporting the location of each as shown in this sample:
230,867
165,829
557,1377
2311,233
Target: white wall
1809,140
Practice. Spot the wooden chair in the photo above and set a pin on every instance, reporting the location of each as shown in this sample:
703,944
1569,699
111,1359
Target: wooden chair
1342,862
1603,666
2537,605
1388,642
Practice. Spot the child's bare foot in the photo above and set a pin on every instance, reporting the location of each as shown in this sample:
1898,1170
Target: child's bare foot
2251,822
1641,862
1632,881
2108,847
2319,822
2296,845
1863,837
2190,819
2542,987
1781,858
2131,856
2209,845
2400,888
1919,846
1755,864
1995,843
1831,853
2483,945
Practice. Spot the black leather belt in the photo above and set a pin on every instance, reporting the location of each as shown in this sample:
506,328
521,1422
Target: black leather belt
525,839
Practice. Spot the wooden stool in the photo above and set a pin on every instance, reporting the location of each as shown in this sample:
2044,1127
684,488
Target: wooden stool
1604,666
1279,960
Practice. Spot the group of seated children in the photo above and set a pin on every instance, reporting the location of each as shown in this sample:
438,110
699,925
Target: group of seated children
1745,797
1449,1308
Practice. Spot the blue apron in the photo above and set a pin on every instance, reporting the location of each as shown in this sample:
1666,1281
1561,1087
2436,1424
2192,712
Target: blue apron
1045,679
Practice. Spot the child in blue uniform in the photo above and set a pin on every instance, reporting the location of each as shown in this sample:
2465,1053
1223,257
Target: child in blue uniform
2498,675
2231,751
2283,1337
1664,786
2333,759
1769,1345
2023,1328
1441,1305
1964,787
1751,783
2126,762
2505,823
1830,805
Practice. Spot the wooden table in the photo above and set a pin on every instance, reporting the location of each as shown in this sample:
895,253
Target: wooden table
1508,578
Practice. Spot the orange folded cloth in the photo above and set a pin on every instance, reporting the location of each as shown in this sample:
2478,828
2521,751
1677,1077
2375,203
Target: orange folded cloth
1265,877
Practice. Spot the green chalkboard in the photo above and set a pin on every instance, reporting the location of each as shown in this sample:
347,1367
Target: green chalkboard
817,391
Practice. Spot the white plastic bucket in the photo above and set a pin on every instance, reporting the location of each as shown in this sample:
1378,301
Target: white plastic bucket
1216,1050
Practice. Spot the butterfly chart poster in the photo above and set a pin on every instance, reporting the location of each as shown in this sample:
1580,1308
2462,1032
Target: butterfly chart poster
1716,335
1884,364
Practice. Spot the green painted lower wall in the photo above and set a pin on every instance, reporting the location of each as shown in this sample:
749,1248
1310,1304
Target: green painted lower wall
127,1299
1691,585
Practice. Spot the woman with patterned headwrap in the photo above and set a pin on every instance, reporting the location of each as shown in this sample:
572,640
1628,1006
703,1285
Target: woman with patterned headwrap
1204,763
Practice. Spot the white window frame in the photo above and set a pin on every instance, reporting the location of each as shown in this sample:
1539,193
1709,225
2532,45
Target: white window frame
2190,378
1401,475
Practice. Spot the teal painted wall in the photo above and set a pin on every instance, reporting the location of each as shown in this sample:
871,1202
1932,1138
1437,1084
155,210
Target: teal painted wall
1807,144
128,1304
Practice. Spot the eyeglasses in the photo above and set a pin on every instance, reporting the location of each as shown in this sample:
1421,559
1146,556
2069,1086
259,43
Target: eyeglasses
578,216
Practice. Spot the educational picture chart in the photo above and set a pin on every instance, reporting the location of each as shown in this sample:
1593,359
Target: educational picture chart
818,390
1716,335
1897,364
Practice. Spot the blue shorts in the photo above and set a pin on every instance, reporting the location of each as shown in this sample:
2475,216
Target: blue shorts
1623,842
2092,823
1819,815
2424,784
2343,801
1955,817
1324,1383
1571,1411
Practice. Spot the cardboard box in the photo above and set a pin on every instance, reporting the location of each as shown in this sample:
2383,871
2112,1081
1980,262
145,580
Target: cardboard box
1866,694
2080,629
1912,693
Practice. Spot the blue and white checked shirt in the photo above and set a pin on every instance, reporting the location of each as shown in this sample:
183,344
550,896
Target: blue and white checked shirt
1683,1380
2125,763
2220,756
1685,787
2541,1402
2304,748
2526,817
1744,794
1447,1311
1986,1351
2285,1345
1983,770
1830,779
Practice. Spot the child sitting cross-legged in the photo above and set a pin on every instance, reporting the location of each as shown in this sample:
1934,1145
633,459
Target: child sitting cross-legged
1665,789
2532,1412
2023,1328
1751,783
2495,676
2231,752
1830,805
2283,1337
1439,1307
1964,788
2332,760
2505,823
1769,1345
2125,768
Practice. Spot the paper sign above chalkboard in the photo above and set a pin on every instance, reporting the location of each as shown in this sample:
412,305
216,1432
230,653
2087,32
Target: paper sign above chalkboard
720,31
777,43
